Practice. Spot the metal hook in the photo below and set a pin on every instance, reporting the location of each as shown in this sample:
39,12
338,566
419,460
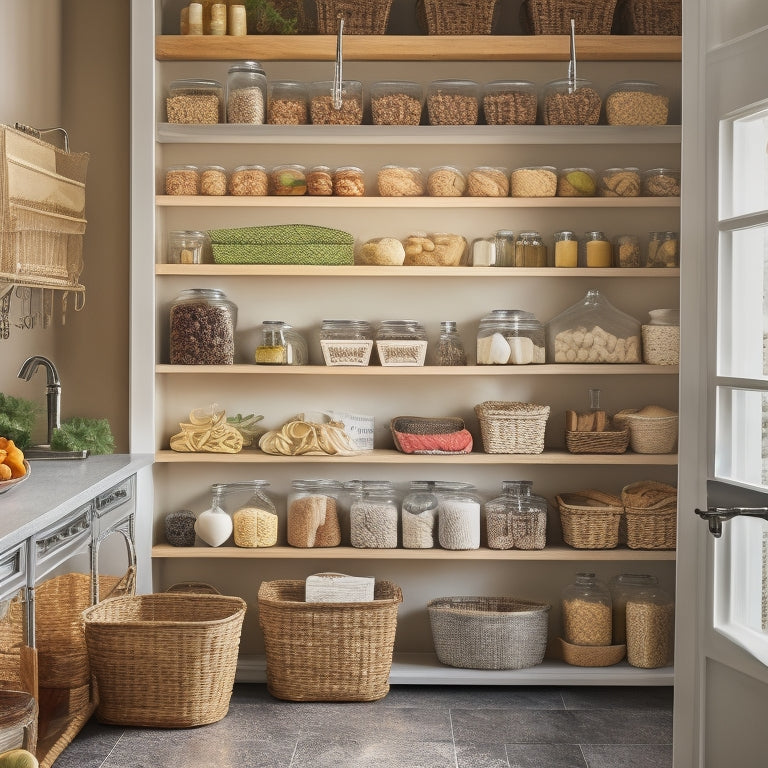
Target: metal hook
38,132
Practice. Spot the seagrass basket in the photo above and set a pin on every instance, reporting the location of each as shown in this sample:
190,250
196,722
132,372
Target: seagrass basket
649,17
361,17
164,660
650,433
650,510
553,17
327,651
488,632
610,441
457,17
512,427
590,519
18,721
591,655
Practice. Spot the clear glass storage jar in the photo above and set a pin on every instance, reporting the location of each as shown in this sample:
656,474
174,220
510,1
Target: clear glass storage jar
396,102
255,521
320,181
593,331
619,182
571,102
450,347
636,102
280,344
663,250
182,180
661,337
586,611
650,628
348,181
576,182
622,587
287,179
185,246
202,328
661,182
446,181
453,102
248,180
180,528
504,248
312,514
596,250
626,251
458,516
566,249
488,181
533,181
517,519
530,250
400,181
510,102
347,109
213,180
373,516
287,104
246,93
419,515
195,101
401,343
346,342
510,337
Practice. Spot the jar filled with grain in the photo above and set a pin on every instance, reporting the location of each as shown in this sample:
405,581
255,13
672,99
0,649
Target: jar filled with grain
636,102
287,179
182,180
195,101
281,344
571,102
346,342
517,519
348,181
595,250
396,102
661,337
313,519
661,182
623,587
533,181
663,250
373,517
453,102
619,182
450,348
255,522
287,103
351,490
566,249
626,251
510,337
458,516
530,250
246,93
202,328
586,611
419,515
446,181
344,108
248,180
576,182
400,181
186,246
320,181
650,628
213,180
488,181
510,102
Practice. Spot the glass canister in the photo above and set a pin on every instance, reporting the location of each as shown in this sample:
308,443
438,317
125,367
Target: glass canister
396,102
248,180
213,180
510,336
287,103
488,181
619,182
566,249
576,182
626,251
504,242
571,102
255,522
636,102
401,343
373,517
596,250
510,102
195,101
281,345
453,102
320,181
182,180
346,342
661,337
348,181
593,331
661,182
450,348
288,179
446,181
246,93
346,110
484,252
530,250
586,611
400,181
458,516
180,528
533,181
622,587
517,519
202,328
313,519
650,628
351,490
214,525
419,515
185,246
663,250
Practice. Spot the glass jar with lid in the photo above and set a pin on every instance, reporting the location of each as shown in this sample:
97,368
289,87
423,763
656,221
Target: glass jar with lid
288,179
619,182
661,182
202,328
510,102
185,246
248,180
453,102
576,182
571,102
593,331
180,528
346,342
517,519
596,250
195,101
312,513
650,628
401,343
419,515
320,181
663,250
637,102
287,103
373,516
622,587
510,336
504,248
182,180
566,249
246,93
396,102
488,181
533,181
450,347
661,337
586,611
327,108
213,180
530,250
255,521
626,251
348,181
400,181
458,516
280,345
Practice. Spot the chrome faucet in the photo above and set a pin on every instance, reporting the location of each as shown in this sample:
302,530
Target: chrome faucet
53,388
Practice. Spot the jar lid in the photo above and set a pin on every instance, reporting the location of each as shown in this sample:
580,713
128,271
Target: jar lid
195,83
510,85
181,168
186,233
250,168
247,66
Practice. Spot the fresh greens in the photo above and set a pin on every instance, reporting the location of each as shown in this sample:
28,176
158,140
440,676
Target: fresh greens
17,418
76,434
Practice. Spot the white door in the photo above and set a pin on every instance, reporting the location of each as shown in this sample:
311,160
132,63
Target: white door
721,660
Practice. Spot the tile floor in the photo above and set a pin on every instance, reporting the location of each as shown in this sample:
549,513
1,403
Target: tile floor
412,727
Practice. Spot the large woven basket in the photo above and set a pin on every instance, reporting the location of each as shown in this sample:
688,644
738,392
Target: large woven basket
590,519
512,427
553,17
361,17
650,510
164,660
457,17
488,632
327,651
649,17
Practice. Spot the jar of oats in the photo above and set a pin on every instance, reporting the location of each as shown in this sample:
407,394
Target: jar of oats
453,102
533,181
182,180
650,628
587,611
446,181
510,102
373,517
287,103
636,102
623,587
396,102
248,180
320,181
571,102
345,108
488,181
195,101
400,181
213,180
661,337
246,93
517,519
348,181
661,182
313,519
255,522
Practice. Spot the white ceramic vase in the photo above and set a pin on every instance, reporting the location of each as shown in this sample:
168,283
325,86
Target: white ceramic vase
214,526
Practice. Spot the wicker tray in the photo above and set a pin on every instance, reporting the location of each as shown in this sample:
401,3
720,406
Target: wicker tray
187,644
361,17
591,655
649,17
327,651
512,427
457,17
614,441
553,17
650,510
488,632
590,519
426,435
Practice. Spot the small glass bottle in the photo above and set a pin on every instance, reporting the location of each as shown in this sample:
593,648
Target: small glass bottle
566,249
202,328
255,522
530,250
246,93
517,519
650,628
458,516
312,515
586,611
273,349
596,251
622,588
373,517
505,248
419,516
450,348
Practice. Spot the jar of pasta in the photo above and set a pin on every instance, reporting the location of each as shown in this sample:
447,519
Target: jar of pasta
586,611
255,522
312,514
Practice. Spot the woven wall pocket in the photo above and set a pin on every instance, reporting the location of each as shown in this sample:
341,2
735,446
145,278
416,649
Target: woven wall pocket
419,435
338,588
590,519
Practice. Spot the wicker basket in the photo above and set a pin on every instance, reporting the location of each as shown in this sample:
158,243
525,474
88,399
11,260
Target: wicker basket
590,519
650,510
327,651
457,17
649,17
651,434
430,435
187,645
18,721
591,655
489,632
361,17
612,441
553,17
512,427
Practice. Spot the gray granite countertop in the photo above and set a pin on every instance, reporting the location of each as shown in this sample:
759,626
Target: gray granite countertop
56,487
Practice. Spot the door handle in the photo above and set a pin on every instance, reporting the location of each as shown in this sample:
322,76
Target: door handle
716,516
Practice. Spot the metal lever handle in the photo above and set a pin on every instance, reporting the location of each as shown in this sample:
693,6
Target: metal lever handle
716,516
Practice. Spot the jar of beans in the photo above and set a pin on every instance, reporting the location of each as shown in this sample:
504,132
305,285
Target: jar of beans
571,102
246,93
287,103
396,102
586,611
373,517
202,328
453,102
313,519
458,515
195,101
419,515
255,522
517,519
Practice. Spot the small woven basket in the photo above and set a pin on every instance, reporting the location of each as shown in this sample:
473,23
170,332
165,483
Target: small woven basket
361,17
652,434
457,17
512,427
164,660
553,17
590,519
613,441
437,435
488,632
327,651
650,510
649,17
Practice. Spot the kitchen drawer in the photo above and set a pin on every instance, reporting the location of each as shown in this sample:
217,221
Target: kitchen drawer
115,497
13,571
62,540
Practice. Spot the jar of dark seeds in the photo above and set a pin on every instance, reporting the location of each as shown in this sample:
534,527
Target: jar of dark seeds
510,102
450,348
202,328
180,528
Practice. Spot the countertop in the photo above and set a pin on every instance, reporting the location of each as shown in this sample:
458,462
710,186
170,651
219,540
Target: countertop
57,487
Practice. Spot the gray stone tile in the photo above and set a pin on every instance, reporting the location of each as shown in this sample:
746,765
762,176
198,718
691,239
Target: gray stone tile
628,755
481,756
550,755
374,752
90,747
619,697
469,697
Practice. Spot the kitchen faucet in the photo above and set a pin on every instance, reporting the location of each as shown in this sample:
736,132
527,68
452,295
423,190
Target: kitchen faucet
53,388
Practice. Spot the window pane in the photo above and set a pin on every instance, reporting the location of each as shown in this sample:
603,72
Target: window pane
747,190
741,453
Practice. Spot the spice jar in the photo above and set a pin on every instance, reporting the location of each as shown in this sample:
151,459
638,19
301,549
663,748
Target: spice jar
182,180
661,337
622,587
663,250
530,250
450,348
287,103
347,110
566,249
320,181
373,517
596,250
248,180
280,345
571,102
180,528
213,180
517,519
636,102
195,101
453,102
510,102
586,611
401,343
650,628
202,328
348,181
246,93
626,251
186,247
396,102
458,516
346,342
255,522
510,336
419,515
312,515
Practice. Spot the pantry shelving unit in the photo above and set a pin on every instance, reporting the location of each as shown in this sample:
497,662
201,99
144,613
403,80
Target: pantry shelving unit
163,394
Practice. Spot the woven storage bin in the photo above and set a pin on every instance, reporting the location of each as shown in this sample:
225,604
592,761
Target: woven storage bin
590,519
553,17
649,17
650,510
18,721
488,632
361,17
613,441
457,17
591,655
427,435
164,660
652,434
327,651
512,427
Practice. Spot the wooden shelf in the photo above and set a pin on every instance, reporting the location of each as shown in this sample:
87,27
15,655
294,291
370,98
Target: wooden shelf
166,551
384,456
418,48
